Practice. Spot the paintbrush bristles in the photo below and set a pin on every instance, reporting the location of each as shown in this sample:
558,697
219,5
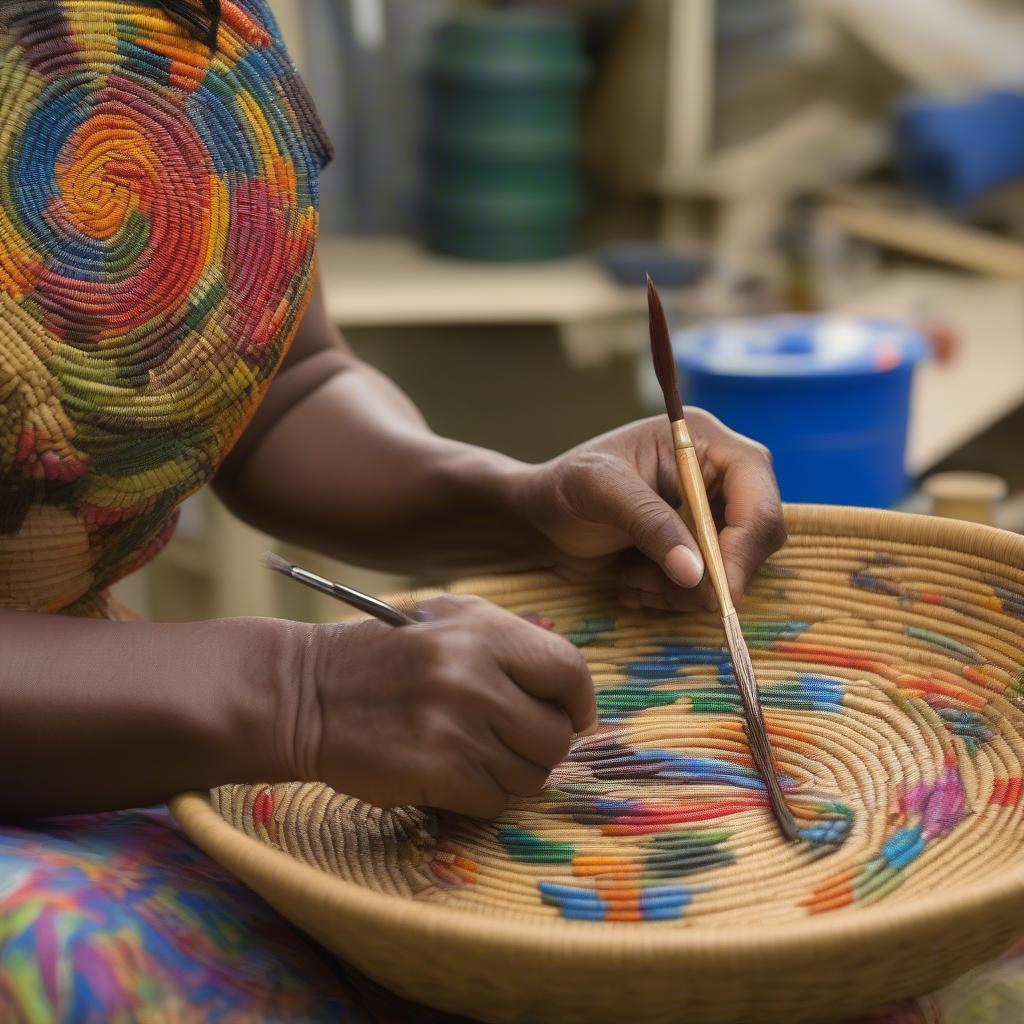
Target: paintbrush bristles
757,735
661,353
274,561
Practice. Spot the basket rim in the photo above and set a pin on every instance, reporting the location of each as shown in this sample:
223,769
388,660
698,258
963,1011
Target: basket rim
296,882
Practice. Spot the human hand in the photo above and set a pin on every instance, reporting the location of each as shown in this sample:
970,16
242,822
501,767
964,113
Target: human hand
464,711
610,505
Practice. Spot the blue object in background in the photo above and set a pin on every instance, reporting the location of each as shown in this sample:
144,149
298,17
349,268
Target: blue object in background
953,152
830,396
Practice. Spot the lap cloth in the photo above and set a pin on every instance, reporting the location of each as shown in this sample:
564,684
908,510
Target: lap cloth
118,918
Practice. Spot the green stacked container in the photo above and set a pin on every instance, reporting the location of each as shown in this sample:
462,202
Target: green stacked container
501,177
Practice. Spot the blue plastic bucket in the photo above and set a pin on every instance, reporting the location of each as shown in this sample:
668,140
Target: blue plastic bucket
830,396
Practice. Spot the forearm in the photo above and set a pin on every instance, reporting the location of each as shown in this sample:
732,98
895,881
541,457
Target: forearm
354,471
98,715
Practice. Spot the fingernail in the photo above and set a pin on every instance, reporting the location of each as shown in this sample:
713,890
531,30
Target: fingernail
684,566
590,729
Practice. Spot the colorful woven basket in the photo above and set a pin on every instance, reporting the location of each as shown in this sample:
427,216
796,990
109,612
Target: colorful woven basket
157,234
648,883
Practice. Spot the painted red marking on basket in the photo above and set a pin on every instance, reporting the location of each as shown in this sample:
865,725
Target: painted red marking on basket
263,807
656,820
1006,792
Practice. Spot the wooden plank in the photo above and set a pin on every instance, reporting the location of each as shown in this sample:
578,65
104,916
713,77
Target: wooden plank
931,237
391,282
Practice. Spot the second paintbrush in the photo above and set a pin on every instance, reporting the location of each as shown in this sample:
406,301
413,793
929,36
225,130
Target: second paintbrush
352,597
691,480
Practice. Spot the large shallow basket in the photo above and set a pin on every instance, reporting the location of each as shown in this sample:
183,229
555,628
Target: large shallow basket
647,884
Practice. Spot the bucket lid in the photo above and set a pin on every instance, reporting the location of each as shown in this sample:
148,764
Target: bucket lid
799,346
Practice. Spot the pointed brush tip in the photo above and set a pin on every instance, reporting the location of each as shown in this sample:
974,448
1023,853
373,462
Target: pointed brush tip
274,561
661,353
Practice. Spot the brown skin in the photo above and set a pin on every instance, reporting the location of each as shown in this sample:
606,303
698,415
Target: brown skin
464,711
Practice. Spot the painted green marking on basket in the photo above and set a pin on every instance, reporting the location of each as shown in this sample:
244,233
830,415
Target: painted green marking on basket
681,853
589,630
706,703
525,846
617,700
757,633
931,637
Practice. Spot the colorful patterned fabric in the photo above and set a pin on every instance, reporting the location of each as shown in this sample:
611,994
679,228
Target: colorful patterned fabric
157,229
118,919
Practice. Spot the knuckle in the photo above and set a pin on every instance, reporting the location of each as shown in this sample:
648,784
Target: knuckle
441,603
566,656
772,526
706,423
433,655
438,733
451,687
648,517
586,470
453,604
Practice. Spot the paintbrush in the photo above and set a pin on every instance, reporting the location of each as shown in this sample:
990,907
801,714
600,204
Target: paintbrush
356,598
692,482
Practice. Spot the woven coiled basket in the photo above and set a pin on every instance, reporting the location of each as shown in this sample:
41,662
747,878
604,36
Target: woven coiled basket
647,883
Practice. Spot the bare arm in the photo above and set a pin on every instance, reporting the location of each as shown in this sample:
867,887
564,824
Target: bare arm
97,715
462,711
338,458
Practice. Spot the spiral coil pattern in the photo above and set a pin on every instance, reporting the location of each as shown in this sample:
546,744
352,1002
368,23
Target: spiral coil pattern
891,678
156,237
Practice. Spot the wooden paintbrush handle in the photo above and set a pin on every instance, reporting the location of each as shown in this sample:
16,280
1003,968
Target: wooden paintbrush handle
692,481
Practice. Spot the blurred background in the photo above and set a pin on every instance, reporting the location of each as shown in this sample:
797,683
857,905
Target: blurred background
829,194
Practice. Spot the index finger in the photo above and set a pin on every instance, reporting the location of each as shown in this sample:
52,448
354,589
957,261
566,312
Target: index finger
755,527
547,666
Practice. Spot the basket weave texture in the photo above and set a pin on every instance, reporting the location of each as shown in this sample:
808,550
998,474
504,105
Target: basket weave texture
648,883
158,225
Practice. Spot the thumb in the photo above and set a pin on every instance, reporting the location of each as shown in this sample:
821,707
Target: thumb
626,502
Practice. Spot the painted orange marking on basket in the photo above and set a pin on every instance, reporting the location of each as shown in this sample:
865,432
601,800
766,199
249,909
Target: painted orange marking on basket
1006,792
827,655
619,868
833,893
820,906
989,683
975,676
971,699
